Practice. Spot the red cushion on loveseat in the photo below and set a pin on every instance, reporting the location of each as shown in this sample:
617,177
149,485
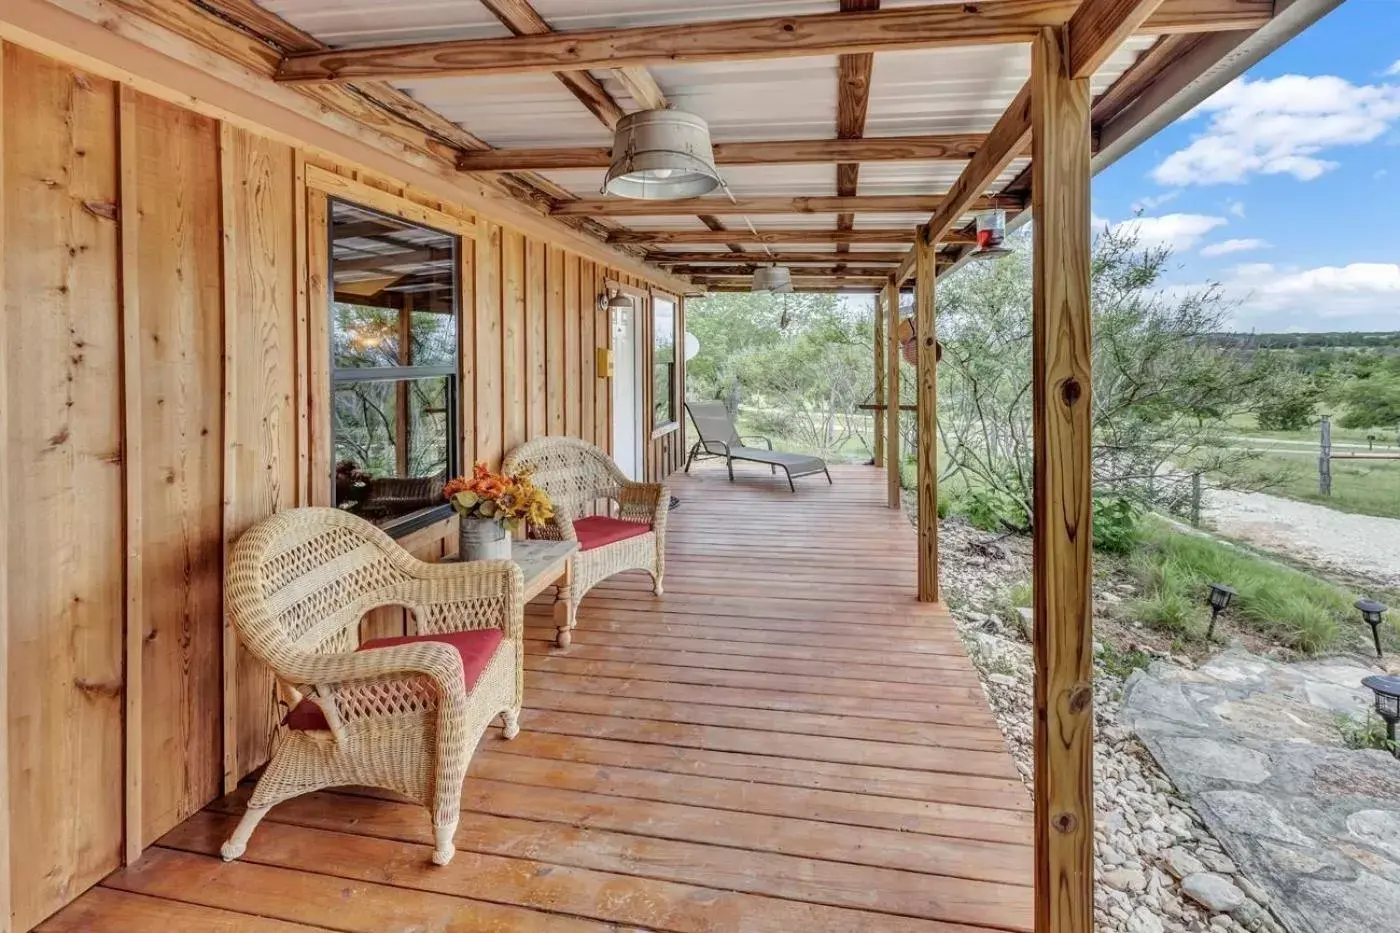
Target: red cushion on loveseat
477,648
598,530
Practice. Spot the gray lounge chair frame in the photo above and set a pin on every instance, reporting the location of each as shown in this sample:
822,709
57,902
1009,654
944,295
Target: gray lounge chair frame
720,439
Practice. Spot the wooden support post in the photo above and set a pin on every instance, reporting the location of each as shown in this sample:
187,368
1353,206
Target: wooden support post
927,412
1324,458
5,897
880,399
134,616
892,456
1062,565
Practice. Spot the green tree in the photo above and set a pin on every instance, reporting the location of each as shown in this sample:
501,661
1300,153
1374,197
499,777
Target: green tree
1162,389
1372,402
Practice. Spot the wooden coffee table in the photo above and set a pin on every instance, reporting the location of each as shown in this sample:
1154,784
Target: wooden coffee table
545,564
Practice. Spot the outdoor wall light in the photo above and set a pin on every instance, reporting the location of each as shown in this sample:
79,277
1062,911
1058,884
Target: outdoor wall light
1372,613
614,300
1387,691
1220,596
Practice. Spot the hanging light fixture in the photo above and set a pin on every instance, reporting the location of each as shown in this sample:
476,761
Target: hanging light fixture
991,234
661,154
773,278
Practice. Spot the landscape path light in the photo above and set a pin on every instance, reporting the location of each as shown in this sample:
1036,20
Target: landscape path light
1220,596
1387,691
1373,613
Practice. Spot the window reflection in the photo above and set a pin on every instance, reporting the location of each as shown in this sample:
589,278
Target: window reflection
394,351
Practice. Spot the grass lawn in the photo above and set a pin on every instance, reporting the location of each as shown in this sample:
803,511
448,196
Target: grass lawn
1367,487
1173,570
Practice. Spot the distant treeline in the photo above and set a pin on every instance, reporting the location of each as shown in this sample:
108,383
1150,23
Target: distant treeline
1339,340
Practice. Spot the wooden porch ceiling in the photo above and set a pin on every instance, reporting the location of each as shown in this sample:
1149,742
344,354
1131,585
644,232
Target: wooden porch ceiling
786,741
751,223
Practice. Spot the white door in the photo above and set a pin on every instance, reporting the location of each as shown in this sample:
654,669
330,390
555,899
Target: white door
626,392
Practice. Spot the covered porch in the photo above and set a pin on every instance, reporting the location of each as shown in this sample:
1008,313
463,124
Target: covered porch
786,741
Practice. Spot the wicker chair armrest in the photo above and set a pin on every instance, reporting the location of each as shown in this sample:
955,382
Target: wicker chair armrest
354,686
558,528
644,502
466,596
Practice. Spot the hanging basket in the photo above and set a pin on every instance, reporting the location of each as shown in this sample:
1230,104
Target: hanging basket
909,345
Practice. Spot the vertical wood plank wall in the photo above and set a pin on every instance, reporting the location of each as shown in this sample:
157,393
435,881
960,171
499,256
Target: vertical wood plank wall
159,360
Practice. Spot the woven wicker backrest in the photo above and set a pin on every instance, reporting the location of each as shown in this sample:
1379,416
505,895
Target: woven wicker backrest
301,580
573,472
713,422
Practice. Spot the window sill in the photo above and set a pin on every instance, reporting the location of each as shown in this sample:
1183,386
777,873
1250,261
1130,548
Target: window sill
417,521
667,428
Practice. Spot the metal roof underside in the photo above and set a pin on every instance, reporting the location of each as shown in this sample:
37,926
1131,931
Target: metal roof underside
924,92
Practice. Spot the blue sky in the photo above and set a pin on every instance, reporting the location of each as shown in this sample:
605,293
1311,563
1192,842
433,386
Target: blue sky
1285,186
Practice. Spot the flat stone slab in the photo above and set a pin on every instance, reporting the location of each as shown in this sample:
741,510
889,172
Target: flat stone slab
1256,747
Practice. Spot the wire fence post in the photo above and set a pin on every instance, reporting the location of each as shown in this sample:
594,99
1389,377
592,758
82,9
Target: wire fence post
1196,499
1324,458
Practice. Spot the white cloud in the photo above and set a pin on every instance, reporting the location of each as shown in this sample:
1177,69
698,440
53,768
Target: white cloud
1154,201
1226,247
1236,208
1279,126
1180,232
1359,296
1394,69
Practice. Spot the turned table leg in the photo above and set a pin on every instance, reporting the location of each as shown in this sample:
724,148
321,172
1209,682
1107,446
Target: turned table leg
564,606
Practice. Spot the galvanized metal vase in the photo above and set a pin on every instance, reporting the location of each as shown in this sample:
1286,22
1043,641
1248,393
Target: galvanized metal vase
482,539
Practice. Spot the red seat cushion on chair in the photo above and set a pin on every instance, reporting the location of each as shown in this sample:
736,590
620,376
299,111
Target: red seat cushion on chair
477,648
598,530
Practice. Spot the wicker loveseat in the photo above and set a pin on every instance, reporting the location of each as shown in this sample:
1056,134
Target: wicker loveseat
398,713
578,475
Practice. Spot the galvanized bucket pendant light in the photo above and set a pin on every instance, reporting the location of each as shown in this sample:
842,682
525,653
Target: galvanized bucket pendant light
771,279
661,154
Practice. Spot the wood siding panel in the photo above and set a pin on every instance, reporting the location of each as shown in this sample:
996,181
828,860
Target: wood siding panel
487,351
165,349
536,378
66,552
260,343
513,381
180,381
555,392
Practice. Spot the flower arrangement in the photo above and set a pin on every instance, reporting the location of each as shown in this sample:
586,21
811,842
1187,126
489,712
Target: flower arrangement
505,498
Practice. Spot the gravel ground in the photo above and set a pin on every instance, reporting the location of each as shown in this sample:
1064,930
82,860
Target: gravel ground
1354,545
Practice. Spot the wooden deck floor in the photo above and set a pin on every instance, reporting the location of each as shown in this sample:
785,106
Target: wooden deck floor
784,743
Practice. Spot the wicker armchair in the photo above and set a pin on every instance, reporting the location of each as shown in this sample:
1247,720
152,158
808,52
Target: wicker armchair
577,475
398,713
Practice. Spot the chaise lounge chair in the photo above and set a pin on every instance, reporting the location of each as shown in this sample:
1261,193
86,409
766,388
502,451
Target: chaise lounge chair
720,438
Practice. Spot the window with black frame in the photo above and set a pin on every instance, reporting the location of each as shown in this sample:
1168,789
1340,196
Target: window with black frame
394,323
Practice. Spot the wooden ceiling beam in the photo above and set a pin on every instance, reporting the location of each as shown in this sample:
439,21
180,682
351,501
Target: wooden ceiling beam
520,18
798,281
947,24
853,268
884,236
853,73
1094,30
857,258
951,147
878,203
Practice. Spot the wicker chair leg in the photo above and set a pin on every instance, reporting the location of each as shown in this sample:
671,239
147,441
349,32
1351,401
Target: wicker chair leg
444,841
656,586
237,844
510,723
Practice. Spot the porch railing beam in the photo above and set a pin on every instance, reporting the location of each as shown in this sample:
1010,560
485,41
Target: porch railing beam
932,26
1062,561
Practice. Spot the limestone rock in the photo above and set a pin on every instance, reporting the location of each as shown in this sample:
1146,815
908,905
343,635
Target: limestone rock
1182,863
1215,893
